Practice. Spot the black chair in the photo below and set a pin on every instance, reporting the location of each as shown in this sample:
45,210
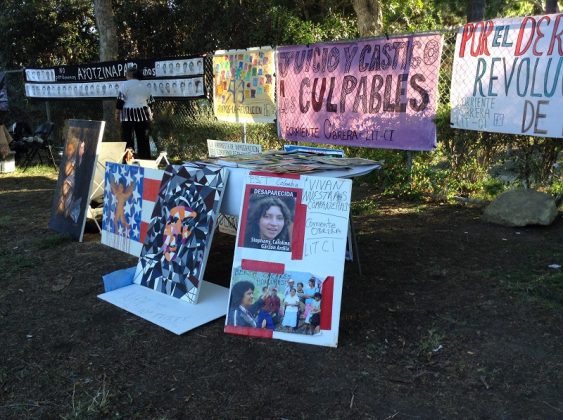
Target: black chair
39,143
19,130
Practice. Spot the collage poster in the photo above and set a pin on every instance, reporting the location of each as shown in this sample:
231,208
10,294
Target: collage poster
244,85
508,76
76,171
379,93
286,281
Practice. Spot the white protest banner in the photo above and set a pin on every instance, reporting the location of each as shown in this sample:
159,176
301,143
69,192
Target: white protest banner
508,77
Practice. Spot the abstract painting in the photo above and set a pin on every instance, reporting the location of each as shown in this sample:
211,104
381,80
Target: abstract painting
179,236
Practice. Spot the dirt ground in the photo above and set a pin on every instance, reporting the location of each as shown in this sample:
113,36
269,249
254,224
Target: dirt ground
452,318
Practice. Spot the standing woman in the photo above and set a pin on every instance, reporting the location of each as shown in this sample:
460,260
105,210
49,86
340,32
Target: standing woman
133,110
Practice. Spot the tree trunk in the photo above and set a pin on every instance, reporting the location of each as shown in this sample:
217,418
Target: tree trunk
370,17
475,10
551,6
105,22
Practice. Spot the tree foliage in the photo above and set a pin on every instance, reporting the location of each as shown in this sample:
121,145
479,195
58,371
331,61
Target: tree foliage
46,32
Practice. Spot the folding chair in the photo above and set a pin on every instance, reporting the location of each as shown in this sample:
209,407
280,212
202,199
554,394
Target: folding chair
40,142
19,130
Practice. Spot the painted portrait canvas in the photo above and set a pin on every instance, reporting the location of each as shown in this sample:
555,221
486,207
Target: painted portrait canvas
181,229
130,193
72,193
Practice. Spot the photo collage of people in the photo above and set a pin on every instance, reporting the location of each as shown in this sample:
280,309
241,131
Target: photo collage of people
290,302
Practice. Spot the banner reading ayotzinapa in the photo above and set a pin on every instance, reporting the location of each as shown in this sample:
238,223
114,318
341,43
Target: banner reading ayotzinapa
377,93
508,76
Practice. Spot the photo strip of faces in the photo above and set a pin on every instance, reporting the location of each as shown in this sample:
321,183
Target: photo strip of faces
183,86
276,302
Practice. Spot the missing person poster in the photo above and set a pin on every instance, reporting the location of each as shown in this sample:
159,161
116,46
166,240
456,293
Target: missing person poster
377,93
244,85
508,76
288,267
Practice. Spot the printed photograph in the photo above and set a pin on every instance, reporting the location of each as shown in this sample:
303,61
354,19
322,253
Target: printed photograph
269,219
288,302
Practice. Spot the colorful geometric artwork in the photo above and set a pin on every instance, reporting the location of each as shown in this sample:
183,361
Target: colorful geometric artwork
288,265
244,85
183,221
72,193
129,196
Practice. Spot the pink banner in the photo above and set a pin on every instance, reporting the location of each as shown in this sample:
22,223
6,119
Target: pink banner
377,93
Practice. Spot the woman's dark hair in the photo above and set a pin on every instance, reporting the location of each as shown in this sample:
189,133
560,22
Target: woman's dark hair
135,72
317,294
239,289
257,208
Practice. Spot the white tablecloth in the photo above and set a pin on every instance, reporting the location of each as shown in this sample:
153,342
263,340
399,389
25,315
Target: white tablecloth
233,193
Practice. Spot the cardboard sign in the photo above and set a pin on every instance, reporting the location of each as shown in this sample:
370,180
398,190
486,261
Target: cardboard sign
130,193
218,148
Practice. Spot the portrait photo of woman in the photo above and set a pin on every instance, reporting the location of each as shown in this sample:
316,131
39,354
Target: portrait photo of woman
269,224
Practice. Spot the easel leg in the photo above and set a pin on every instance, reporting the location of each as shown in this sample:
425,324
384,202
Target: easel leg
354,250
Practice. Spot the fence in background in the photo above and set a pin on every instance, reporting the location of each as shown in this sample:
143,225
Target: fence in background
179,115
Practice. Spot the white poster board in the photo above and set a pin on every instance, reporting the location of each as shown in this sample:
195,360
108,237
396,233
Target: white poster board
508,76
167,312
292,229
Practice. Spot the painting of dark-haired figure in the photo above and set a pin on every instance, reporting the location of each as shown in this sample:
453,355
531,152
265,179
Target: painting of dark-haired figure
72,193
175,250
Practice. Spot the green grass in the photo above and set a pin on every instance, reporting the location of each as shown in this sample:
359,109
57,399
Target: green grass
6,221
89,405
50,241
430,342
14,261
36,170
545,288
364,207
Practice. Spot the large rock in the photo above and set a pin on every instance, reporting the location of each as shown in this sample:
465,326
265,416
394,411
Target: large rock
521,207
